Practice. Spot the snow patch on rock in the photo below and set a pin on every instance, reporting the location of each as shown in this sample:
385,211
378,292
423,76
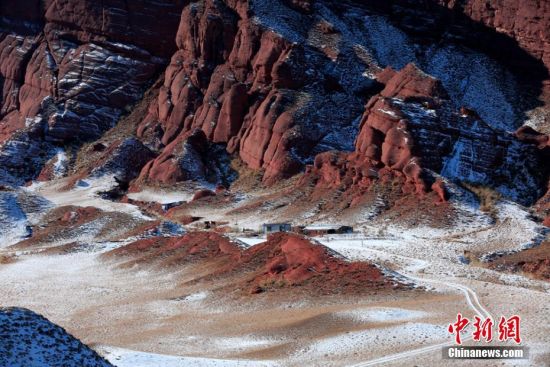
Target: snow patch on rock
28,339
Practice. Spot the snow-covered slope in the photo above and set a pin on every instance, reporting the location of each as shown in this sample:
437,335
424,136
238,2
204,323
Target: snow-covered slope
13,221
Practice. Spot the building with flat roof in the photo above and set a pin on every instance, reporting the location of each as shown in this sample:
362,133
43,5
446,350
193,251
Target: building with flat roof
276,227
323,229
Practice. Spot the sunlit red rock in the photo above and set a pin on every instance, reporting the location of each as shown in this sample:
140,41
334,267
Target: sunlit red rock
284,261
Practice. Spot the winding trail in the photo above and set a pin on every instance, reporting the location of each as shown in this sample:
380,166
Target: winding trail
472,300
470,296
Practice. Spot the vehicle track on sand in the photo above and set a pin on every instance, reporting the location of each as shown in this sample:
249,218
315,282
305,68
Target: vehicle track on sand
472,300
469,294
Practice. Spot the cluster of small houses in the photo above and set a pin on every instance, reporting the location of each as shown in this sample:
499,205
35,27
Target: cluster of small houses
312,230
267,228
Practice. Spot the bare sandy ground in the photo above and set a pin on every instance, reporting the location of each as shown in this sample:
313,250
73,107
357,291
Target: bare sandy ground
158,312
154,312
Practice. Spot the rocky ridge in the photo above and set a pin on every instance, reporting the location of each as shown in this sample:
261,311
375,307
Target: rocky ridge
410,132
280,85
70,69
28,339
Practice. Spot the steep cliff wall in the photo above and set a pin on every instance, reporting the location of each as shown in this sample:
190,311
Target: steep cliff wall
278,83
526,21
264,94
69,69
411,132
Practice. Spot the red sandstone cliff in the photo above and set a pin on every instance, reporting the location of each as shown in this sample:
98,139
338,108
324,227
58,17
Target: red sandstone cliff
526,21
234,80
280,85
70,69
384,148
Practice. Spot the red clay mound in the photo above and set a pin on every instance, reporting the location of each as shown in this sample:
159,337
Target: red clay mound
141,248
150,207
292,260
171,251
61,223
284,260
201,194
534,262
68,224
48,171
80,215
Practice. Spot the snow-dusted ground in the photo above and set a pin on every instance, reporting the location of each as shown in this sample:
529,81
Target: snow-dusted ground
196,297
382,314
161,196
85,193
251,241
419,333
188,325
13,221
60,163
429,257
438,250
129,358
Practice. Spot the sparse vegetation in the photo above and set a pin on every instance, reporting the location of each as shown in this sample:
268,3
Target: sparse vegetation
272,284
7,259
488,198
246,177
472,258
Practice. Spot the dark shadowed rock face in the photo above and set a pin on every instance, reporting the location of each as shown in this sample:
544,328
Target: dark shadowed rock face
531,136
279,83
123,159
542,142
69,69
525,21
28,339
300,5
412,130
